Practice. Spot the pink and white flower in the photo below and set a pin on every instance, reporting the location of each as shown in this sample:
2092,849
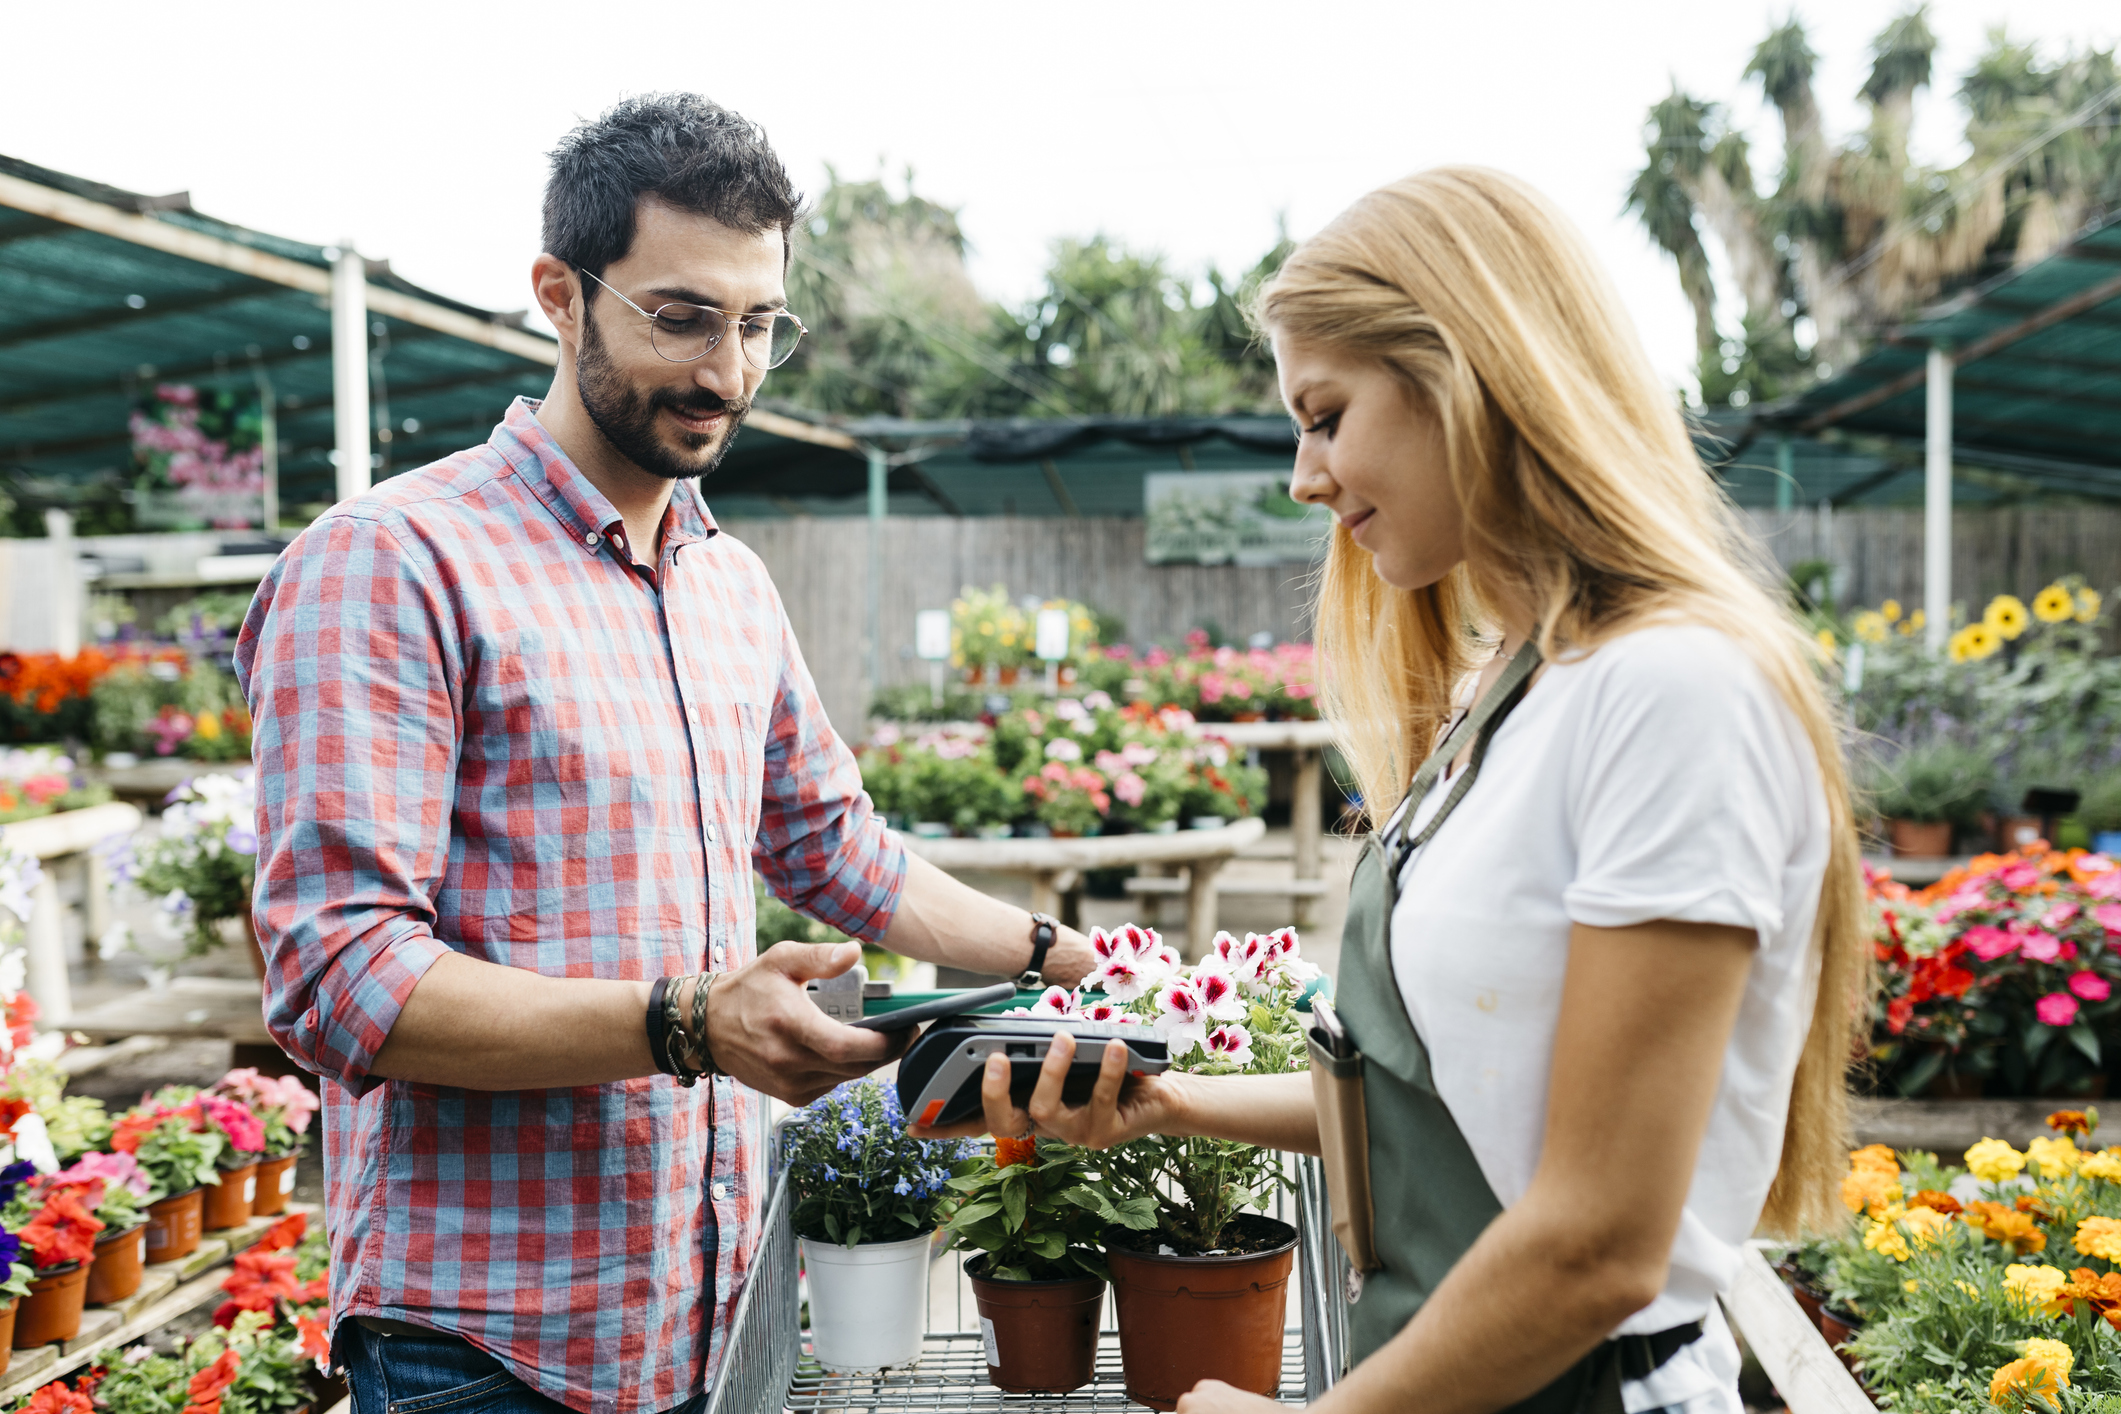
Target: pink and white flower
1218,991
1131,961
1058,1003
1230,1043
1110,1013
1182,1019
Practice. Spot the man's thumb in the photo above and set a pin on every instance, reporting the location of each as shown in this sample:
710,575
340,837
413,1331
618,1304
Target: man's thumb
804,961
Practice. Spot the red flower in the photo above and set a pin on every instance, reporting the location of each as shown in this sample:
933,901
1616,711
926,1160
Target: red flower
210,1384
1898,1013
225,1314
260,1279
57,1398
284,1233
62,1231
12,1109
316,1336
316,1289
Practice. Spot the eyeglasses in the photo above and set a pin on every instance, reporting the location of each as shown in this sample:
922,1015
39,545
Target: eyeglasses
682,333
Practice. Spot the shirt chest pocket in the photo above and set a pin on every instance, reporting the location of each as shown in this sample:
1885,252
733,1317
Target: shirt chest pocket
732,765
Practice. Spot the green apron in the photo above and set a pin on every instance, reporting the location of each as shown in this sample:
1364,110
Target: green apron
1429,1197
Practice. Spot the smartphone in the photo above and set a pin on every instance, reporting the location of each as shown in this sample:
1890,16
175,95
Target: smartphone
955,1004
1326,1027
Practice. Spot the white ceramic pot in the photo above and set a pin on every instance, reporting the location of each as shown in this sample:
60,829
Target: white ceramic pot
868,1304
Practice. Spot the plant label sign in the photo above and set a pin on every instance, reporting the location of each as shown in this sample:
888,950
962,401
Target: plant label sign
1052,635
931,634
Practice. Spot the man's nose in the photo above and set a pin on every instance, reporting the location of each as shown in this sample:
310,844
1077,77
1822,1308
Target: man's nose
721,369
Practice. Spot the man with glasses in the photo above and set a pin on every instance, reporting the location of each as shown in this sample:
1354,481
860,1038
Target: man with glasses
526,722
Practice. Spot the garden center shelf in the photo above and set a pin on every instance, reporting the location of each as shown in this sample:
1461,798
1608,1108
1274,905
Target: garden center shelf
169,1290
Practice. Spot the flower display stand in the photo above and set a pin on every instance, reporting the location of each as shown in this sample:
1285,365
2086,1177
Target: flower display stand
169,1290
1306,744
51,839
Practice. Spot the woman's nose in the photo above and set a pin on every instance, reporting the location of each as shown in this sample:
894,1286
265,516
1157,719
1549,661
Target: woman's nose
1310,482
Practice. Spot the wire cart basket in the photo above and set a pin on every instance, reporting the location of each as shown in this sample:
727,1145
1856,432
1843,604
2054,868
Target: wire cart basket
767,1369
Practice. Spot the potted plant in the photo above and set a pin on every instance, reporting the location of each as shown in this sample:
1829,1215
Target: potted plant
18,1274
115,1189
203,863
179,1151
1072,799
58,1232
865,1196
1034,1212
1927,791
75,1124
1201,1292
284,1105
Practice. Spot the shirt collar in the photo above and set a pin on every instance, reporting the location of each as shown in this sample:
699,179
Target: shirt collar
577,504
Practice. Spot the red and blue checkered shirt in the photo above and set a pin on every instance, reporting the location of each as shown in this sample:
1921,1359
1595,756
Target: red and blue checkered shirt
485,726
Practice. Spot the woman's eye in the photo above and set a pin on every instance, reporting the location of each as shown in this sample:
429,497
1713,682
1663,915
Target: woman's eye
1327,424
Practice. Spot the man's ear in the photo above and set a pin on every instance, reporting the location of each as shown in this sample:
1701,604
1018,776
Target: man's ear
555,286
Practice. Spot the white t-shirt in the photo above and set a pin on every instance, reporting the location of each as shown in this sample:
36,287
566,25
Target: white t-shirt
1662,777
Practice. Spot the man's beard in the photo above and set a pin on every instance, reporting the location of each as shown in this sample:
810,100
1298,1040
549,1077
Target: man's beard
628,418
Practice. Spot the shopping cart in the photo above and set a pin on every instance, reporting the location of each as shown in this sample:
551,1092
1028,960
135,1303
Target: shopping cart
767,1368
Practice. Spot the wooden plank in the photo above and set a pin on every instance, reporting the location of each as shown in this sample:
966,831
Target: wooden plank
1808,1375
71,831
220,1008
97,1322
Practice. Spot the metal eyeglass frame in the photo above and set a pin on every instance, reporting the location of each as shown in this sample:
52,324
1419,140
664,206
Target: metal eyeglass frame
729,317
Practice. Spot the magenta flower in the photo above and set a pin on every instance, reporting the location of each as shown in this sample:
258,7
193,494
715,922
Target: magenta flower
1989,942
245,1133
2061,915
2040,947
2056,1008
2090,986
114,1170
2108,914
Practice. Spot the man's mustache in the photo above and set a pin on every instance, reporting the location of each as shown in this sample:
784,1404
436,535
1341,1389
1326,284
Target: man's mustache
701,404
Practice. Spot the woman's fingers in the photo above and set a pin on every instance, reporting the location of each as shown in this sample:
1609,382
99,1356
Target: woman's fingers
1046,1104
1002,1115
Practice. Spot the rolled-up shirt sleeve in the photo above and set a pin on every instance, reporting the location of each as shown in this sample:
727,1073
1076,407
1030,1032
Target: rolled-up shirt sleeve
348,664
820,846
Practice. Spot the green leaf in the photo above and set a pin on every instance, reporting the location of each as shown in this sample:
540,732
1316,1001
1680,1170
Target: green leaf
854,1235
1013,1206
832,1225
2086,1040
976,1212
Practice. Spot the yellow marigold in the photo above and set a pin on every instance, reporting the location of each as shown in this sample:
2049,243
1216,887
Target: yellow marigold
208,725
2054,604
1828,644
2087,606
1883,1236
1925,1224
1973,643
1994,1161
1876,1156
2035,1287
1870,626
2054,1354
2025,1375
2006,615
1890,611
2105,1164
2100,1237
2053,1157
1968,1287
1913,623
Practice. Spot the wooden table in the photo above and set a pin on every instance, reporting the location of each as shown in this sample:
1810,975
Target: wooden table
1306,743
155,777
1056,867
53,839
217,1008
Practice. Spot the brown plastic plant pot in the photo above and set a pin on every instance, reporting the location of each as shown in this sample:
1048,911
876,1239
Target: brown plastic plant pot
276,1179
121,1259
1187,1319
7,1334
1839,1327
52,1310
1041,1336
1809,1298
173,1226
1921,839
227,1203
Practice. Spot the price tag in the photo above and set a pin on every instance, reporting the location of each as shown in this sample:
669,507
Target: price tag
287,1179
986,1335
1052,634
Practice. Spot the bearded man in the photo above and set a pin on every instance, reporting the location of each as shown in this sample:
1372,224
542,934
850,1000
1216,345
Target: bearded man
526,722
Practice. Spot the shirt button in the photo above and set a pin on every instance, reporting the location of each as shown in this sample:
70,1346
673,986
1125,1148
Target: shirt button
591,539
719,1190
712,838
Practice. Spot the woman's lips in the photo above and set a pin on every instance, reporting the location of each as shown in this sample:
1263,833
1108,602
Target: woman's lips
1353,524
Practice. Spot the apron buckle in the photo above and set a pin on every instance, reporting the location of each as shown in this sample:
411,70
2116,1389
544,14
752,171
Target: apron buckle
1354,1286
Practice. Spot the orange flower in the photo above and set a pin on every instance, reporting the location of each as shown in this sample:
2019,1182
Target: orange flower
2070,1122
2016,1230
1015,1151
316,1336
261,1279
283,1234
57,1398
2026,1375
2101,1293
211,1383
1936,1202
62,1231
2027,1203
315,1289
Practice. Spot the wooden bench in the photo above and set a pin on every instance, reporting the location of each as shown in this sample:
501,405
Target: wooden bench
1152,890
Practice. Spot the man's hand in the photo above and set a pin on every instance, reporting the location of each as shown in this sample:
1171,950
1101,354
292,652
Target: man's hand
767,1033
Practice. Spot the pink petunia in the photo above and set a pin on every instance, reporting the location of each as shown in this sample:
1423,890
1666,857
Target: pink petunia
2061,915
2108,914
2040,946
2056,1008
2090,986
1988,942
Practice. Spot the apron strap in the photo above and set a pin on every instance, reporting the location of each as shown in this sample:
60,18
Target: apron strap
1481,724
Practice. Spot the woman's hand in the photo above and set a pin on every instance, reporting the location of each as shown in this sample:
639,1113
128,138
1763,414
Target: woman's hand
1120,1108
1215,1397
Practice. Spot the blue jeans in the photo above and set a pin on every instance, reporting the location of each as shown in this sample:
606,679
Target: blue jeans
436,1373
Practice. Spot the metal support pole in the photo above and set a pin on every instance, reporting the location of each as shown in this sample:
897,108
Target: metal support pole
1785,476
879,480
66,584
349,368
1937,502
268,442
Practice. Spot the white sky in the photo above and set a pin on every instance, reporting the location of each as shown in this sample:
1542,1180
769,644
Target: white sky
419,129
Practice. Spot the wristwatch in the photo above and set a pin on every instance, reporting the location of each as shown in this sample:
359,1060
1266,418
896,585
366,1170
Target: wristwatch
1044,929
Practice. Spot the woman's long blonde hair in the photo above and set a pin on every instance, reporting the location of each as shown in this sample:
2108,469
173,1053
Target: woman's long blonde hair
1585,504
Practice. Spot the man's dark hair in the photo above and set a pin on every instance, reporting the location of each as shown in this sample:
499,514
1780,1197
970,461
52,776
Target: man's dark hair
678,147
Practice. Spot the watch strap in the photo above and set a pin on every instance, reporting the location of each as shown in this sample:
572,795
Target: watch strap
1044,929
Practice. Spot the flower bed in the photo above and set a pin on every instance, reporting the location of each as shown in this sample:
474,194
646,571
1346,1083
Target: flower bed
2000,977
1993,1284
1074,767
125,699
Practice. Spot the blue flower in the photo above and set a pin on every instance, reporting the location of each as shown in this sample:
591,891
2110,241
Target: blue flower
13,1177
902,1188
831,1173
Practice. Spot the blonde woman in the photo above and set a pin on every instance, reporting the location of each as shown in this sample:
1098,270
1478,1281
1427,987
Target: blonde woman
1602,981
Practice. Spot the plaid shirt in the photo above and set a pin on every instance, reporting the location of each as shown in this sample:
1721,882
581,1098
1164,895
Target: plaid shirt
484,726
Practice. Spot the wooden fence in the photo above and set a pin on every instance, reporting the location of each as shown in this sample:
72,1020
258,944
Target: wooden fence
821,566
